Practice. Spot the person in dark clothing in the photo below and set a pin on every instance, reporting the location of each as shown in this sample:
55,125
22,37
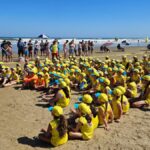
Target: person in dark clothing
20,46
30,49
4,49
120,48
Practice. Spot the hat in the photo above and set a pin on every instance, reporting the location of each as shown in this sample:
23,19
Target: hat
122,89
84,108
41,74
103,98
107,81
63,84
121,70
132,85
136,70
83,74
109,69
146,78
86,98
101,80
67,81
117,92
56,110
45,68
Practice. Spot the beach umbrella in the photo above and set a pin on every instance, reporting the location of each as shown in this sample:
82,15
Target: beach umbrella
42,36
107,44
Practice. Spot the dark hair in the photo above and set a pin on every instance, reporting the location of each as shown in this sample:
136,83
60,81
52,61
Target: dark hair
62,126
66,91
122,99
93,109
146,87
88,118
106,104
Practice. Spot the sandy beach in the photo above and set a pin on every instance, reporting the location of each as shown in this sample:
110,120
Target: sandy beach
23,115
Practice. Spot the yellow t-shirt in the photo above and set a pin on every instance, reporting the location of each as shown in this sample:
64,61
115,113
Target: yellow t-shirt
136,78
15,77
95,121
96,85
55,48
56,140
46,78
103,108
133,92
86,128
63,100
147,101
120,80
125,105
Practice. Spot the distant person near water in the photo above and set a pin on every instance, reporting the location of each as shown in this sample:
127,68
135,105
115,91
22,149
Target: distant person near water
42,48
65,48
71,48
30,49
4,49
120,48
9,51
20,46
26,52
47,49
36,48
54,49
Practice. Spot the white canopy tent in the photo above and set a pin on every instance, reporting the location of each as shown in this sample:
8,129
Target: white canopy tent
42,36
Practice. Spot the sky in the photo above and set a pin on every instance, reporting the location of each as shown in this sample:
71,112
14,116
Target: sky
75,18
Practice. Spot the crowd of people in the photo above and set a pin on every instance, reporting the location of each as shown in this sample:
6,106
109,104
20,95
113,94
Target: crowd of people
107,91
30,49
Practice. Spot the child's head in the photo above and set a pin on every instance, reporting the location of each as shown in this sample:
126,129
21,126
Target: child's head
102,98
117,93
57,113
40,75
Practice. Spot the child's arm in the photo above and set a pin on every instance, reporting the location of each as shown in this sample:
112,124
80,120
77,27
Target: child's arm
101,113
120,111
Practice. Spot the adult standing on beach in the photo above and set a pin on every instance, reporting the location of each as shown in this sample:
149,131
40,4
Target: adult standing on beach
9,51
86,48
92,47
80,48
54,50
42,47
65,49
30,49
4,50
36,48
47,49
83,47
71,48
89,47
20,46
26,52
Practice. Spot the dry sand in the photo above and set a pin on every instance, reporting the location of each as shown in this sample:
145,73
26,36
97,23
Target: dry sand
22,116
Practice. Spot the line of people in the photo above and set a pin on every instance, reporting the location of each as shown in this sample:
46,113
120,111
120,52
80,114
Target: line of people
28,50
7,51
107,91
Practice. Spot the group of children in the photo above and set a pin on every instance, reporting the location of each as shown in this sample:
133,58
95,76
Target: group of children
108,89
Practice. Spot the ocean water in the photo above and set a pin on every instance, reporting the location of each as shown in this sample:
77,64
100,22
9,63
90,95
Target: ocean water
140,42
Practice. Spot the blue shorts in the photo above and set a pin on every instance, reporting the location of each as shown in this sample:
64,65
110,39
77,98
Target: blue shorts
26,52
